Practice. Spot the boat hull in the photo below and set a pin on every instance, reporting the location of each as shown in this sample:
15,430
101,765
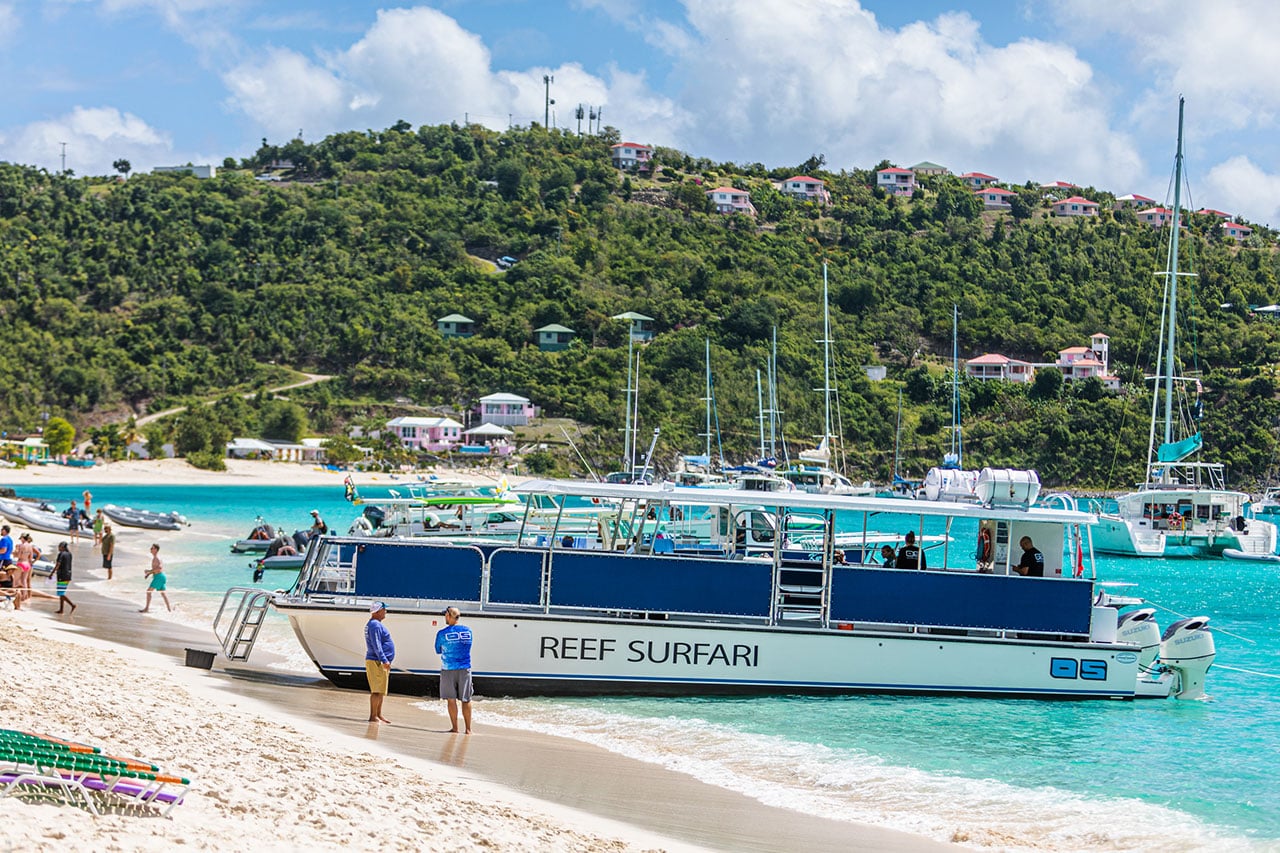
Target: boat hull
521,654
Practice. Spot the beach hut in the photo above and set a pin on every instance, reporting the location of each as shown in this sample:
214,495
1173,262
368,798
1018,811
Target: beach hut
488,438
640,333
553,337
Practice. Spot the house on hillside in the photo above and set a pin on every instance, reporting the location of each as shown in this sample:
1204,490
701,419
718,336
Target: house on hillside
487,439
202,172
1080,363
995,366
506,410
641,332
804,188
1155,216
1236,231
924,167
1135,201
1058,185
430,434
977,180
631,155
553,337
995,198
1075,206
731,200
895,181
1209,211
456,326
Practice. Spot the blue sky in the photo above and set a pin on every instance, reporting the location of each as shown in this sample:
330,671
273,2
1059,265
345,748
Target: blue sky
1078,90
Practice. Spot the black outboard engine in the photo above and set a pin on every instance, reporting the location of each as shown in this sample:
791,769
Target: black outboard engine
300,538
375,515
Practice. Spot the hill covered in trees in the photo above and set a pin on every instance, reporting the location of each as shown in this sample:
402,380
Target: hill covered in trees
129,296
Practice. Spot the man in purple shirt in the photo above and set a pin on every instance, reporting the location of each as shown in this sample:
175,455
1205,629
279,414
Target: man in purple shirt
379,652
453,644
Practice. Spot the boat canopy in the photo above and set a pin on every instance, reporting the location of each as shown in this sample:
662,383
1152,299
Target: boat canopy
1176,451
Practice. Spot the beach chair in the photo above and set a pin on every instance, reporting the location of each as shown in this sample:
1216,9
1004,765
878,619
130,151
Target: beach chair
77,771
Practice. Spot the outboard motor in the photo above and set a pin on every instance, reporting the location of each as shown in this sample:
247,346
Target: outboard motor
375,515
300,538
1188,649
1139,628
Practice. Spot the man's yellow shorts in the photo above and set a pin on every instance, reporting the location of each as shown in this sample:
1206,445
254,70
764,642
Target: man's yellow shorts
378,676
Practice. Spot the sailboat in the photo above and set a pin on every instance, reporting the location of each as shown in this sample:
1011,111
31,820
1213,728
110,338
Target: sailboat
1183,508
949,481
813,472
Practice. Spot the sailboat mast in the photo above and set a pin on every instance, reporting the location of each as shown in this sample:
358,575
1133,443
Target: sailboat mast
635,418
707,399
1173,283
897,438
760,406
826,357
773,396
957,441
626,407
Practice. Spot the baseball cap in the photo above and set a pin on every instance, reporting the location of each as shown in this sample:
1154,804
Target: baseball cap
315,512
375,606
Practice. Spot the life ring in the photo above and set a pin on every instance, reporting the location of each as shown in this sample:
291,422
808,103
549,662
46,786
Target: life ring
983,554
1175,521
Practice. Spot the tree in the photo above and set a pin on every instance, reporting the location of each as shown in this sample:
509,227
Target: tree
122,166
1048,383
284,421
59,435
340,451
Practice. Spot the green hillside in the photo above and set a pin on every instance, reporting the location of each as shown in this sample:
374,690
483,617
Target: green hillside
133,296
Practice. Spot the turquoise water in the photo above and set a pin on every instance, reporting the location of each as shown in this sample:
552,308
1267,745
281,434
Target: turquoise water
1006,774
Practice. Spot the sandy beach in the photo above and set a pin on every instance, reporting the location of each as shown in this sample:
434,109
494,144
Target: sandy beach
284,758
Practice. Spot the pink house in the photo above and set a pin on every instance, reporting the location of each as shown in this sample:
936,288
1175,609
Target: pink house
977,180
995,198
1138,202
1236,231
1155,216
896,181
631,155
804,188
1058,185
506,410
1209,211
1075,206
426,433
1078,363
995,366
730,200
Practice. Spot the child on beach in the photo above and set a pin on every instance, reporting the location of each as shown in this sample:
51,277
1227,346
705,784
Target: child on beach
99,520
158,583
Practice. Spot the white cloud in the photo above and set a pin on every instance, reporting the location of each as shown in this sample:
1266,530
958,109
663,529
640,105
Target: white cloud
1238,185
422,66
9,22
777,80
95,137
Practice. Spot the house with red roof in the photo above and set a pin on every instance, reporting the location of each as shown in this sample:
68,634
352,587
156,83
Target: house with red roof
995,366
631,155
1236,231
995,198
1155,216
1058,185
925,167
1075,206
731,200
1209,211
895,181
1135,201
804,188
977,180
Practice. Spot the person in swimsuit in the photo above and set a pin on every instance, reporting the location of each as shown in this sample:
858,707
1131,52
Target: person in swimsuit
158,580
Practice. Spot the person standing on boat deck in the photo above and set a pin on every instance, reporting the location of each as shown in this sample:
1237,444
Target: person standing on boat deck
453,644
108,547
1032,563
911,555
887,557
62,569
379,652
158,581
318,527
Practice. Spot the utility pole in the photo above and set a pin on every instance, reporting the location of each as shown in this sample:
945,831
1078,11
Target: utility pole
579,113
547,80
599,117
64,157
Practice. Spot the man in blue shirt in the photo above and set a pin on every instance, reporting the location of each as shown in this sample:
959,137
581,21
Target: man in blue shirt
379,652
6,546
453,644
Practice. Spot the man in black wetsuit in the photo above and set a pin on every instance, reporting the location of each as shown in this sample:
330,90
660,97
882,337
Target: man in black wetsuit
911,555
1032,563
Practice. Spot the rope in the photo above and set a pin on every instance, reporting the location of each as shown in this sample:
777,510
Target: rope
1247,671
1185,616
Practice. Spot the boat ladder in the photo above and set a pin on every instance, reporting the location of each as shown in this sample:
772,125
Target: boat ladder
246,619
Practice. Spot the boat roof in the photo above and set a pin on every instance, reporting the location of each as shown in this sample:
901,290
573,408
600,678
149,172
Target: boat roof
800,501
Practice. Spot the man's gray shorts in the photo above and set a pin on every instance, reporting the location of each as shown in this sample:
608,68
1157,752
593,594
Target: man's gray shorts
455,684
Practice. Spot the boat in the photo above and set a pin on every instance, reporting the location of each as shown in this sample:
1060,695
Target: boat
258,540
628,614
129,517
1183,508
38,517
1235,554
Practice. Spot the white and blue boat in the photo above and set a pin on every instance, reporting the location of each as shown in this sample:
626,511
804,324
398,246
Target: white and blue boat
632,614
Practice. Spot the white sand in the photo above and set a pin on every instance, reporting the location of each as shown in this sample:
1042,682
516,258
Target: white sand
257,783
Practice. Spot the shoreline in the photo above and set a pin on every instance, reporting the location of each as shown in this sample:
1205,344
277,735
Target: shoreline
575,795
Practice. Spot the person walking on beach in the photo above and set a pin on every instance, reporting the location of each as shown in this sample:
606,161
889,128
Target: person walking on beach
158,581
99,523
108,547
379,652
72,515
88,502
23,557
453,644
62,568
6,547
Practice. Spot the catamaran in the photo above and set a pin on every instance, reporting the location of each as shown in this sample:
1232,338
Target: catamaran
1184,508
630,612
